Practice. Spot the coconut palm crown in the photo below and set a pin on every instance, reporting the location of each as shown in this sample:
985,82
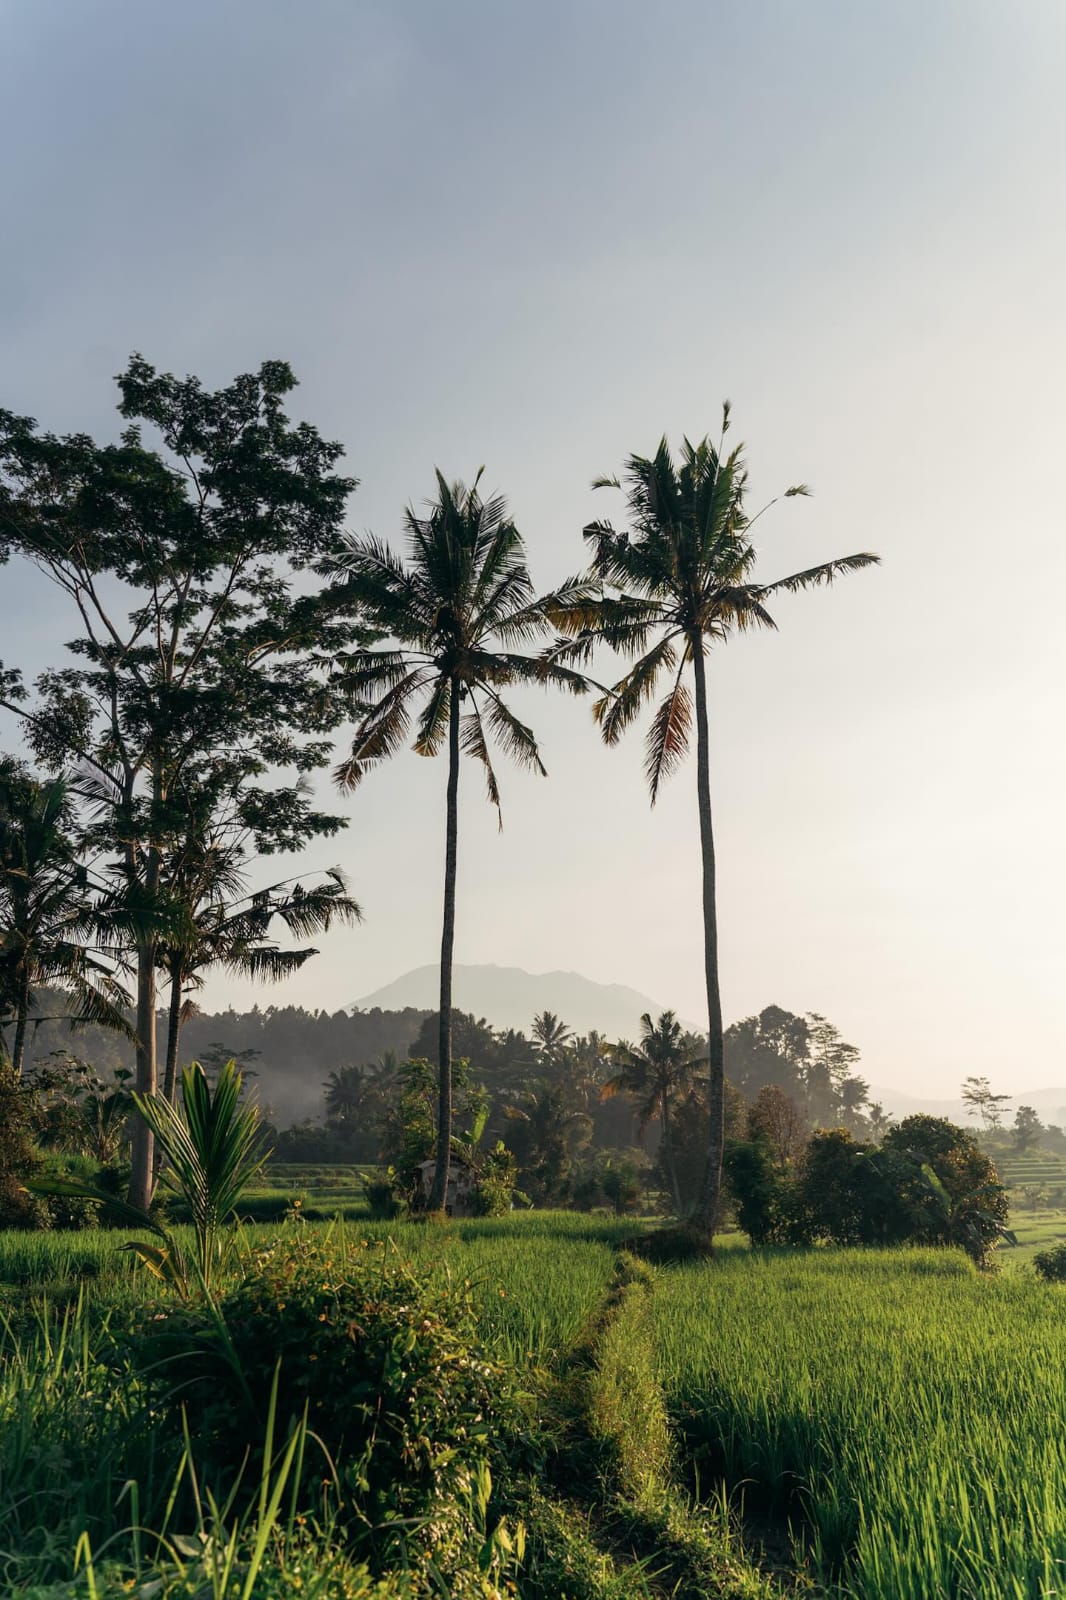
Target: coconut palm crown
449,622
655,1072
679,580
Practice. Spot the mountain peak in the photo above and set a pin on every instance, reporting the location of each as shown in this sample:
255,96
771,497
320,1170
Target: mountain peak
510,997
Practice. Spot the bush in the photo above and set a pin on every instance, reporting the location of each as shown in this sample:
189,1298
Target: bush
494,1186
1051,1264
929,1182
764,1195
383,1362
614,1178
18,1158
381,1197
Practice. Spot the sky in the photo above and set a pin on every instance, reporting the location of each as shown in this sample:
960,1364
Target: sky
537,237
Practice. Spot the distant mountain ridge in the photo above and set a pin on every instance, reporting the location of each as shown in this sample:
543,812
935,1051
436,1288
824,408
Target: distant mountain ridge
1050,1104
510,997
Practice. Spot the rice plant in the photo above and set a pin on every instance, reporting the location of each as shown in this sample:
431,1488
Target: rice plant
906,1413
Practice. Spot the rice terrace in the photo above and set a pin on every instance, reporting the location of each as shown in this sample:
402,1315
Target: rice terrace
422,1177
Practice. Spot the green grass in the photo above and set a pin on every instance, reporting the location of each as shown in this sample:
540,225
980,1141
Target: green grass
903,1415
539,1276
907,1413
75,1429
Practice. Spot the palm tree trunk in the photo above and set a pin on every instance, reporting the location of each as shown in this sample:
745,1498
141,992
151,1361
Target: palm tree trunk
439,1196
170,1068
22,1015
668,1148
707,1211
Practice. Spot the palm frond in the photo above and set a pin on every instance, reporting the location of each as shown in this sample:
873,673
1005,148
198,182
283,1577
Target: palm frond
668,740
433,722
473,743
614,712
380,733
515,737
265,963
814,576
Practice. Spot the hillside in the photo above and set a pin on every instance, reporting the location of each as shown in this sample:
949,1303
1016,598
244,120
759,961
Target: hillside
509,997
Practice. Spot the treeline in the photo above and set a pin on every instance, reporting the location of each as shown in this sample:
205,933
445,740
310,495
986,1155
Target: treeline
586,1119
575,1111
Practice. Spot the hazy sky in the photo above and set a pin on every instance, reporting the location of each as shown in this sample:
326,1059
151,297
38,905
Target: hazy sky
537,236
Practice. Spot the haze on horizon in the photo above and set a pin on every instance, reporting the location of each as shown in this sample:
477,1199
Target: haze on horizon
538,237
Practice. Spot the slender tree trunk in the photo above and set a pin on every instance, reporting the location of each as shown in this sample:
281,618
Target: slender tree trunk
707,1211
439,1196
668,1146
142,1175
170,1068
22,1015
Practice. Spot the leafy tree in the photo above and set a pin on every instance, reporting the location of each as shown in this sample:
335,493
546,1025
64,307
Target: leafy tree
771,1048
929,1181
1028,1129
48,907
679,581
831,1088
878,1119
975,1203
655,1072
197,667
854,1094
409,1124
472,1038
762,1190
978,1097
18,1154
454,611
358,1097
776,1121
80,1111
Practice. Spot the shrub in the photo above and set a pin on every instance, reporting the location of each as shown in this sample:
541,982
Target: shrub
975,1205
381,1197
763,1194
494,1186
18,1158
1051,1264
383,1362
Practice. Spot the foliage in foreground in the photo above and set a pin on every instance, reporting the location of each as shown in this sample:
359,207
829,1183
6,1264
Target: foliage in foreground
379,1359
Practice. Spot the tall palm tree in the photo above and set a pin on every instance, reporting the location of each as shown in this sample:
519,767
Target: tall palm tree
678,582
551,1035
655,1072
47,912
448,619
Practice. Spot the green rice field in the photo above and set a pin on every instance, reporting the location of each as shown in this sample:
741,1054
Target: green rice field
904,1413
883,1425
